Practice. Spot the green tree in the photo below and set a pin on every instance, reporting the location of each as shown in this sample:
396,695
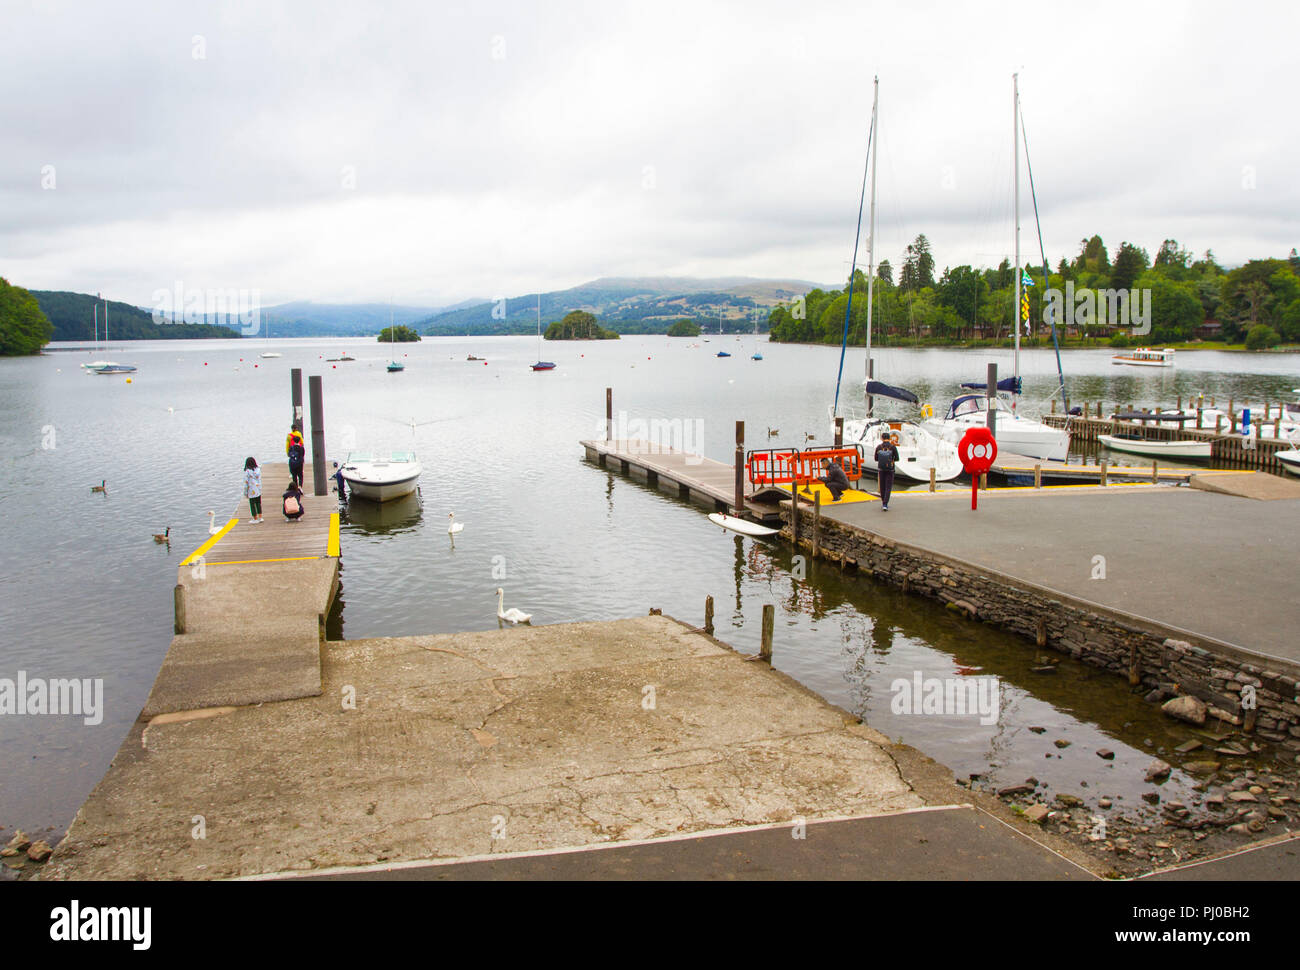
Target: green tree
399,334
24,329
1092,256
885,272
1261,337
1130,262
689,328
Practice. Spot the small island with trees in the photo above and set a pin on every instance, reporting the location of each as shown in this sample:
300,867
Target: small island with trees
578,325
684,328
399,335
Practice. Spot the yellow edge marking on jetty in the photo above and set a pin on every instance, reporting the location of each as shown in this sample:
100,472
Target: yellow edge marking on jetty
332,549
245,562
198,553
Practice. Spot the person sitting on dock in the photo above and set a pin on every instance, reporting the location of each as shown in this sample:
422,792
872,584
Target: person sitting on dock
293,510
833,477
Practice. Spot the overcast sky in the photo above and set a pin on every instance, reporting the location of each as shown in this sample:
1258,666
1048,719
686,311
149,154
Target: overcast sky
346,152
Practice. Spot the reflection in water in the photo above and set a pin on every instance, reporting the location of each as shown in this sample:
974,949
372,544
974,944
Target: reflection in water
383,518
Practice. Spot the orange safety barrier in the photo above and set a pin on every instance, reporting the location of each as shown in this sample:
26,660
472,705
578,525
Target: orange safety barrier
808,464
773,466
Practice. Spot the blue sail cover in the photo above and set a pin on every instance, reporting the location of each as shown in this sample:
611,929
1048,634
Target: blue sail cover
1011,384
877,389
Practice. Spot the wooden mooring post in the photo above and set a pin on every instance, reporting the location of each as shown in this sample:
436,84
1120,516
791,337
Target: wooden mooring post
769,622
1103,472
740,468
708,615
817,523
932,478
1038,475
609,414
839,432
178,607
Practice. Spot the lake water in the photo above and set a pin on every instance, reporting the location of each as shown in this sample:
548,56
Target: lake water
88,593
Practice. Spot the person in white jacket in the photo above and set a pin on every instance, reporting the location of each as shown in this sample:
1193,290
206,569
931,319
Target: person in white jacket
253,490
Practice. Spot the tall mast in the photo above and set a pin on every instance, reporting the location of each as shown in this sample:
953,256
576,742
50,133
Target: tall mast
96,324
871,231
106,325
1015,128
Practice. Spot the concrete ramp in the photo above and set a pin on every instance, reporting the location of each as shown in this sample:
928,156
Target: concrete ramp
1256,485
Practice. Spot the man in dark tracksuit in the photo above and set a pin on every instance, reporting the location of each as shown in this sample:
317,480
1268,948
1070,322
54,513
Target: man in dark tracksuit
834,479
297,455
886,458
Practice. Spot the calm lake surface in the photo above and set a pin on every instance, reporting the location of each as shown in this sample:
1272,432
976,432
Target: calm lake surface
88,593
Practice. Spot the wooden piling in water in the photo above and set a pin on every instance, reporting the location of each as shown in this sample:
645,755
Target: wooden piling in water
817,523
708,615
1038,475
609,414
1134,668
769,622
1042,632
740,468
178,608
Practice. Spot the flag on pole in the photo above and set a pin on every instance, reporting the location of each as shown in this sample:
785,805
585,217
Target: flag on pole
1026,279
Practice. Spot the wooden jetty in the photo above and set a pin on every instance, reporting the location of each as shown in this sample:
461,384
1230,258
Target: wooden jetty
694,478
1226,450
250,607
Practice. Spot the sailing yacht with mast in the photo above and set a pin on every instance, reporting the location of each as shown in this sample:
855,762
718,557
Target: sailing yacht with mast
1014,432
541,364
919,451
394,365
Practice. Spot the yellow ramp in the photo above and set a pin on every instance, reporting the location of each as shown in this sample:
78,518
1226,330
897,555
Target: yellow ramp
808,493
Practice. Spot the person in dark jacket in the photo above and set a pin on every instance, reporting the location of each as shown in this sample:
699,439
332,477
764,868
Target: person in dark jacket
292,502
834,479
340,483
297,455
886,458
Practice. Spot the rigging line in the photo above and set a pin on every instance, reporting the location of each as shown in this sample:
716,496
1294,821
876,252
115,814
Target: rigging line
853,269
1047,278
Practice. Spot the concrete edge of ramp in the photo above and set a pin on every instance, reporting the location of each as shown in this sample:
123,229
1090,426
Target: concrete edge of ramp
935,841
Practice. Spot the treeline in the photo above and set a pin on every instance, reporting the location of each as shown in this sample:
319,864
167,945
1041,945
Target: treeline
398,334
74,314
1258,302
24,328
578,325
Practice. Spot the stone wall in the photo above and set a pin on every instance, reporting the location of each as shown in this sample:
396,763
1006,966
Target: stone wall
1139,651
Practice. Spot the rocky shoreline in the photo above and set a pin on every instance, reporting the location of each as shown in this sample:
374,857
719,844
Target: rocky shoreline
1243,791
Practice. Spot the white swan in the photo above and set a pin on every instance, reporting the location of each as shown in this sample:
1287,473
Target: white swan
452,525
511,615
213,528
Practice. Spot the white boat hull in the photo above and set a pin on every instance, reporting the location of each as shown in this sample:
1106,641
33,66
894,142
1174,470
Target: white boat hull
1021,436
381,481
918,450
1165,449
1290,460
1142,363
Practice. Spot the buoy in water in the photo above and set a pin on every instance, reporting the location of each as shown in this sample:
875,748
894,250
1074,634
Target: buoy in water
128,380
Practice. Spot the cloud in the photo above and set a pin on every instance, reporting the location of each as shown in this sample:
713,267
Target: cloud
339,151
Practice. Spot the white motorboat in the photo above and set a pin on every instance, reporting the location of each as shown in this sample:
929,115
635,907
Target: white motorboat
1290,460
381,479
918,449
1146,357
1135,444
1015,432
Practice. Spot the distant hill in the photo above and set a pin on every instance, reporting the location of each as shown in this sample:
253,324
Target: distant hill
73,316
628,305
304,318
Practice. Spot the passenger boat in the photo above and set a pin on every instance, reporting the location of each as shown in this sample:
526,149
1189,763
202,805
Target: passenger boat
111,368
381,479
1146,357
1135,444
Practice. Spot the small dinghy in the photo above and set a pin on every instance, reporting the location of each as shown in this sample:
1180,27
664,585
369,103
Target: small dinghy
1137,445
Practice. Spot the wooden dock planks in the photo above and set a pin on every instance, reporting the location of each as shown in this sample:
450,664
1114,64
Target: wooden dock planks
276,539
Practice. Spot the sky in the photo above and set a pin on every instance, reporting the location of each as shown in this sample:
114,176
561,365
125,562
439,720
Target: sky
429,152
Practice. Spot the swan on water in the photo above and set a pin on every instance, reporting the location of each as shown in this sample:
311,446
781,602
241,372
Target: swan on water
213,528
511,615
452,525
